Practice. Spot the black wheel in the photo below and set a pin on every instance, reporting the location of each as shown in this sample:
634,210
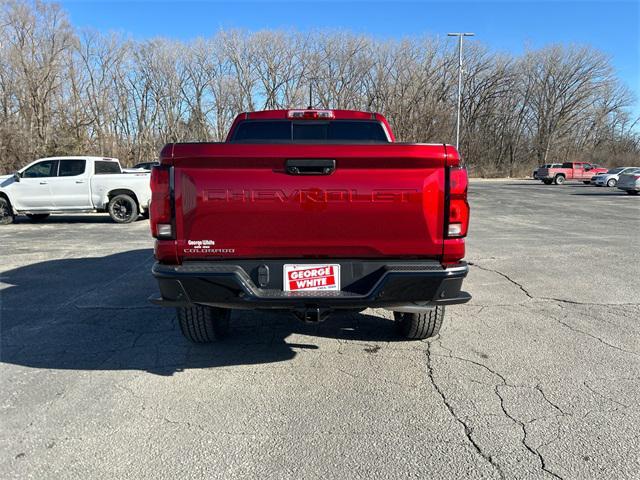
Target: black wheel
632,192
201,324
546,182
586,182
123,209
37,217
559,179
417,326
611,182
6,213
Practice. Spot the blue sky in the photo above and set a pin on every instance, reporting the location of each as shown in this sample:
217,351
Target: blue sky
510,26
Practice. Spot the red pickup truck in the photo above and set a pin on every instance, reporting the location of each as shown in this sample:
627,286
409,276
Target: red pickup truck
581,171
310,211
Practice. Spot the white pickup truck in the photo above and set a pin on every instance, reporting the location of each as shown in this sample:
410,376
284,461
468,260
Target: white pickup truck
72,185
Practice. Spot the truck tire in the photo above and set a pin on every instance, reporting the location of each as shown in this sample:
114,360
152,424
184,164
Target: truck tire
201,324
123,209
36,217
559,179
6,213
547,181
586,182
418,326
632,192
611,182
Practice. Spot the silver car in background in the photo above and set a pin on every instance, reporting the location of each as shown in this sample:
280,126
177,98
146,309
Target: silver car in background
610,178
629,181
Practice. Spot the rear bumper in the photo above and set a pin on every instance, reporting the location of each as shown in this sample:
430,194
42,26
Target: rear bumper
365,283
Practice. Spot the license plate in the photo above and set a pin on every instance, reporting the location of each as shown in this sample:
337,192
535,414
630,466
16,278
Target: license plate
311,277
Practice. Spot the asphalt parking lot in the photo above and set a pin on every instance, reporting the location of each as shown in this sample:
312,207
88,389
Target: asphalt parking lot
537,377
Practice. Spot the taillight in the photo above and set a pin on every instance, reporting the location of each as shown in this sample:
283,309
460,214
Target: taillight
458,220
311,114
160,208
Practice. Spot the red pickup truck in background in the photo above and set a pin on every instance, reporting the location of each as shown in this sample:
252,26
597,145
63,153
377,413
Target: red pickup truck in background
309,211
581,171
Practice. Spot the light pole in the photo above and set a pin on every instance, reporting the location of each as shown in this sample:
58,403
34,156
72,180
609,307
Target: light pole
459,35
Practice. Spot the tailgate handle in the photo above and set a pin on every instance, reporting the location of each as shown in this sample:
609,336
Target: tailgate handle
310,167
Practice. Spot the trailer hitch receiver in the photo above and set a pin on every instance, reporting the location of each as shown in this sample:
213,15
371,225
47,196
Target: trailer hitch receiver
312,314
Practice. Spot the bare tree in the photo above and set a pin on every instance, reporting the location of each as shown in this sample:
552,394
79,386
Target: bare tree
35,39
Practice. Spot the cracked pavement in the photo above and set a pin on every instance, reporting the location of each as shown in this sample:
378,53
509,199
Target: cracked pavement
537,377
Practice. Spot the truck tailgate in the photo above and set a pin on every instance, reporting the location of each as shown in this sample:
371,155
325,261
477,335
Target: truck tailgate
241,201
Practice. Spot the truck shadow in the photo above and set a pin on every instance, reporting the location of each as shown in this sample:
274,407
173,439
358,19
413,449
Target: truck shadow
93,314
604,193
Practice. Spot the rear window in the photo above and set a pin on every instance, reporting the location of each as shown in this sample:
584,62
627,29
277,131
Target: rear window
103,168
567,165
256,131
337,131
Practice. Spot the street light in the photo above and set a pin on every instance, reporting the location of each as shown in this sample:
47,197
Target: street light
459,35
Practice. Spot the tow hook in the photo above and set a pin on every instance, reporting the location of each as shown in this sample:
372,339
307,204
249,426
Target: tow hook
312,315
